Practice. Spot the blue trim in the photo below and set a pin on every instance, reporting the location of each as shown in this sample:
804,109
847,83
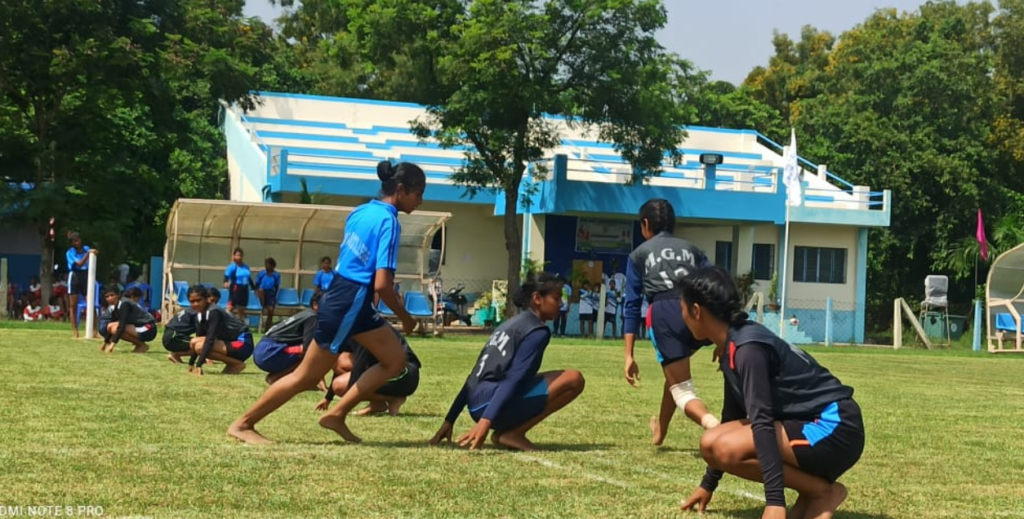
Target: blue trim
862,285
307,137
824,426
859,218
296,122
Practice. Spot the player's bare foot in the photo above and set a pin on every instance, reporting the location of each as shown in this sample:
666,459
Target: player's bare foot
337,424
230,369
173,359
657,435
373,408
825,506
246,434
109,348
395,404
209,362
514,441
103,346
321,387
143,348
799,509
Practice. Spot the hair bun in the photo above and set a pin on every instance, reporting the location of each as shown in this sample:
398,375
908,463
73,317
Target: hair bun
385,171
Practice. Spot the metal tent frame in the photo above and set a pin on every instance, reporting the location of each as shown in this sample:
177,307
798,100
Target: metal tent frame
201,235
1004,292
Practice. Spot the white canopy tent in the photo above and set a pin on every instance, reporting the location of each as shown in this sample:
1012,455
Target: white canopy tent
202,234
1004,291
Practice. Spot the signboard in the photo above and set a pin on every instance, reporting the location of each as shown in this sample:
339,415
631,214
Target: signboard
614,236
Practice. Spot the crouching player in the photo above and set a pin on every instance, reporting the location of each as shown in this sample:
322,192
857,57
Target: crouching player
178,335
390,397
128,321
504,391
280,351
219,335
786,420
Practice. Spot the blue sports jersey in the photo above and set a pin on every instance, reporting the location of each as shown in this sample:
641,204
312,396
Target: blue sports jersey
73,256
371,242
268,281
238,274
322,280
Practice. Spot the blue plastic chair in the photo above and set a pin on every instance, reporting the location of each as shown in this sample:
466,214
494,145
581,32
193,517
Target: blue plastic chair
254,304
382,307
417,304
307,297
179,285
288,297
182,296
96,308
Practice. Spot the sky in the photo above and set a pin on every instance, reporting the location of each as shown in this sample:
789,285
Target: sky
731,37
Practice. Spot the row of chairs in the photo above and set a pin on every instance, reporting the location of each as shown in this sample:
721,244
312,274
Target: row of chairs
286,297
416,303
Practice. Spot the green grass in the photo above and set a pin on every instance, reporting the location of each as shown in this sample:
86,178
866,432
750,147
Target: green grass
139,437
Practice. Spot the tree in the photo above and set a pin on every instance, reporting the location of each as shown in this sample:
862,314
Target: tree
794,72
720,104
596,63
906,103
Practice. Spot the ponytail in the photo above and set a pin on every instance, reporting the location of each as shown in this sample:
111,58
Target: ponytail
405,174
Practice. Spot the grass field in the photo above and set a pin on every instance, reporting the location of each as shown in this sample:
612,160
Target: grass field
139,437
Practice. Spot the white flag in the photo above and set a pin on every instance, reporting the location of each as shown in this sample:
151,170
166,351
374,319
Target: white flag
791,173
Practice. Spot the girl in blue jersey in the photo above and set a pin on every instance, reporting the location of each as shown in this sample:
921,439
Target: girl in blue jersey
366,264
238,281
78,257
268,283
323,278
786,420
504,391
653,272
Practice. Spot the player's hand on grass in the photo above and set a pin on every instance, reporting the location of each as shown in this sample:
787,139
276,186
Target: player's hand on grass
196,370
322,405
476,436
632,372
774,512
700,499
443,434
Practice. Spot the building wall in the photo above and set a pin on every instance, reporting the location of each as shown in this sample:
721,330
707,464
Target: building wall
247,164
21,248
833,236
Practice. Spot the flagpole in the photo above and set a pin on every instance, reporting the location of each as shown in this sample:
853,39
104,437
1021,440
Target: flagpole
782,279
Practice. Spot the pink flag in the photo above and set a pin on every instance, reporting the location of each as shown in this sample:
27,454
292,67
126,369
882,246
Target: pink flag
981,238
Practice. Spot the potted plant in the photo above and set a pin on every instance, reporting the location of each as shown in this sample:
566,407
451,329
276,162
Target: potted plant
745,284
773,293
483,308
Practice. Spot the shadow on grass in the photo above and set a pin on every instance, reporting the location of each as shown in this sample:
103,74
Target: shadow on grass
843,512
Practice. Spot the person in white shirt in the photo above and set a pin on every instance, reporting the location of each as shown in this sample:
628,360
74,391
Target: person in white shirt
586,311
611,307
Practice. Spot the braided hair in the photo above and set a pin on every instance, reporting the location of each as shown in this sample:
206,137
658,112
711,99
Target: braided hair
660,215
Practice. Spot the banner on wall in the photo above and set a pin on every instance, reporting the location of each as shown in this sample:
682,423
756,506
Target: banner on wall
614,236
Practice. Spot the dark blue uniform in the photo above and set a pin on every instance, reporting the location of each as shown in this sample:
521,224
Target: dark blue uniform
769,380
653,271
216,324
127,312
179,330
284,345
504,386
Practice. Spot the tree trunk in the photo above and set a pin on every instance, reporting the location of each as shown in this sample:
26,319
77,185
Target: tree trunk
514,246
46,267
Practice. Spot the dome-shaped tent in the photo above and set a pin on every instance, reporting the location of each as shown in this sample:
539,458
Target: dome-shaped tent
1004,291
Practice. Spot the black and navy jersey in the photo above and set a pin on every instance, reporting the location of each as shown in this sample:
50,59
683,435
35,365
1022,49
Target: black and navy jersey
800,387
496,357
293,330
656,267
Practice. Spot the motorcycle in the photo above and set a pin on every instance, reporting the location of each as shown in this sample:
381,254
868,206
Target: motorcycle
452,306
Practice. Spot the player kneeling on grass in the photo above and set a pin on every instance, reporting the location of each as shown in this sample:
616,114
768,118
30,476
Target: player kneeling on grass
786,420
178,334
128,321
504,391
280,351
219,335
389,397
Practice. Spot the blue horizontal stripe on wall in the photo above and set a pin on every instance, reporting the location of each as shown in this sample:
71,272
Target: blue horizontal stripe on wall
307,137
370,171
359,187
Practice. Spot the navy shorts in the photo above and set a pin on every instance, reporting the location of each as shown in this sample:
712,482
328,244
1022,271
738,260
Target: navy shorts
269,297
146,332
404,384
239,297
176,342
669,335
104,332
519,409
274,357
831,443
346,310
241,348
78,282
